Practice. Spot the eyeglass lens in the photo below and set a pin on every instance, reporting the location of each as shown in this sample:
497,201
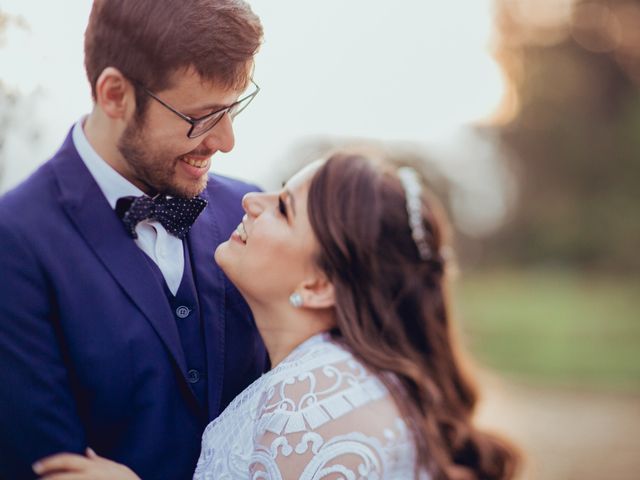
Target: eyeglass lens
208,123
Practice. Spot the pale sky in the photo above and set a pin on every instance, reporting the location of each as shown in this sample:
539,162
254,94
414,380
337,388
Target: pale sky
410,70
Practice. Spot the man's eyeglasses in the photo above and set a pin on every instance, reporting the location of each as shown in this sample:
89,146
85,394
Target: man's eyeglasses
202,125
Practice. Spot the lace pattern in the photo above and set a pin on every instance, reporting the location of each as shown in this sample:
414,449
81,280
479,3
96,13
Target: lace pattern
318,415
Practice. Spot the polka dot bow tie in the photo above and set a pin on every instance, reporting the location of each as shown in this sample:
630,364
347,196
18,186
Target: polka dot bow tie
175,214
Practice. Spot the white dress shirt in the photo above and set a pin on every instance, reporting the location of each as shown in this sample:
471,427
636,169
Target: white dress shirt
164,249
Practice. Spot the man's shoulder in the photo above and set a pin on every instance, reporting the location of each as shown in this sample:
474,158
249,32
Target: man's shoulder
224,185
27,210
227,192
39,190
30,195
225,198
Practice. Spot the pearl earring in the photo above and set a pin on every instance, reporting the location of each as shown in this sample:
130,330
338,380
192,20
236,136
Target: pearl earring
296,300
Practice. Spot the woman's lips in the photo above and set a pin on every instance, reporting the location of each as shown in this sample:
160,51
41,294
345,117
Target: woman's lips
241,233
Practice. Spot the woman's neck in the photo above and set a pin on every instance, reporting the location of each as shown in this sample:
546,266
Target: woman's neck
284,327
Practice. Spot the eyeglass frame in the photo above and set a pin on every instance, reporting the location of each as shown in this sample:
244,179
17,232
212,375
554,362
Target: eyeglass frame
194,121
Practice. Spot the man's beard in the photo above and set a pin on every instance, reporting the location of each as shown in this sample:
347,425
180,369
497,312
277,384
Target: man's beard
155,171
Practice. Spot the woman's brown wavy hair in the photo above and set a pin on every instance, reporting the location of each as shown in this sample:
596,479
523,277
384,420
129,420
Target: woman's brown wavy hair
392,312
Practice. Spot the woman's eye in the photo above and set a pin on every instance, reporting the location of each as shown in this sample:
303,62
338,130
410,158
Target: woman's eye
282,207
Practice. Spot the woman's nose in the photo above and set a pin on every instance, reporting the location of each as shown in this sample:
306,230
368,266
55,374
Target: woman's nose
252,203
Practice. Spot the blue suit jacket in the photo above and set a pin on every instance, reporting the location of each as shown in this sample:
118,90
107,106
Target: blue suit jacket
90,353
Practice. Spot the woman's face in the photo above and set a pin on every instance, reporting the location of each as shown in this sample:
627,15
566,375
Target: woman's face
273,249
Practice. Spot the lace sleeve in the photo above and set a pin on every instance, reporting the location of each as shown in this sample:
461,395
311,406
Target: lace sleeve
334,422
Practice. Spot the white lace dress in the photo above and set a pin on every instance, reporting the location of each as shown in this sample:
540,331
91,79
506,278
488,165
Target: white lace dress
317,415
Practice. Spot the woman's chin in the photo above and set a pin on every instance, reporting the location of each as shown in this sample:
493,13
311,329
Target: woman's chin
221,255
227,260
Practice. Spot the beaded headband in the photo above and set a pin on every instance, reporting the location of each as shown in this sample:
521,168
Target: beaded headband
413,191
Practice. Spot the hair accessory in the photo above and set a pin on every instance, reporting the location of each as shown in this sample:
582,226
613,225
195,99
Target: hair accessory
296,300
412,191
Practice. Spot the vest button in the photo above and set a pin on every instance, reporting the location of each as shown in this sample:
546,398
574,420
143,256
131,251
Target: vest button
182,311
193,376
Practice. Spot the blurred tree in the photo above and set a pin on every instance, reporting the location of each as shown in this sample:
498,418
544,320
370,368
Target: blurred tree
8,99
19,125
3,96
574,135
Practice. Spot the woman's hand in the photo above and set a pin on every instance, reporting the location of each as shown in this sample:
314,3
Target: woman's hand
69,466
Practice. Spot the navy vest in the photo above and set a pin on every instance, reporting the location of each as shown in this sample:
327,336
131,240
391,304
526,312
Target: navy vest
186,311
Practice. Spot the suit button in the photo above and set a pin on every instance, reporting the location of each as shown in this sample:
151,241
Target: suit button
193,376
182,311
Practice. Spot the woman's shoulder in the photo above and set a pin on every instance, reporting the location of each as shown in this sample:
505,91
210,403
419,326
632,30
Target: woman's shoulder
326,404
321,384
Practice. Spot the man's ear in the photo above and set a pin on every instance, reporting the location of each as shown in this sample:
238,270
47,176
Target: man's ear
317,292
115,94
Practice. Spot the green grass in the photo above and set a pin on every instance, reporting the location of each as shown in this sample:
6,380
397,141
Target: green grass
553,327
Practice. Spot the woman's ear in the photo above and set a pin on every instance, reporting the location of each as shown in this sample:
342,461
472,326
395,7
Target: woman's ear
114,94
317,292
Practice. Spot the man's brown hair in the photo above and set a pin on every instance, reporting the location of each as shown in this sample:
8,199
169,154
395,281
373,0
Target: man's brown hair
149,40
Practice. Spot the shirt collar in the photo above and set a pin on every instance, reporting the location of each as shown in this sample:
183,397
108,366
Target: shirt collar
111,183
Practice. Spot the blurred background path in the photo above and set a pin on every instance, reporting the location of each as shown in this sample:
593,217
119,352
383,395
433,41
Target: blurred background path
567,434
566,347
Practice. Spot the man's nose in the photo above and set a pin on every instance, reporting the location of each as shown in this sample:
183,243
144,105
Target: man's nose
220,137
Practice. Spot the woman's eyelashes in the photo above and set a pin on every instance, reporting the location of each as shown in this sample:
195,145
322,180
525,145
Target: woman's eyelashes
282,207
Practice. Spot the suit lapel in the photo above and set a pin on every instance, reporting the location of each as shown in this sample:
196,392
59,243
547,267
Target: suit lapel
104,232
203,239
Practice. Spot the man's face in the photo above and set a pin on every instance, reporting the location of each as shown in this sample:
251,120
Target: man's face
159,155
